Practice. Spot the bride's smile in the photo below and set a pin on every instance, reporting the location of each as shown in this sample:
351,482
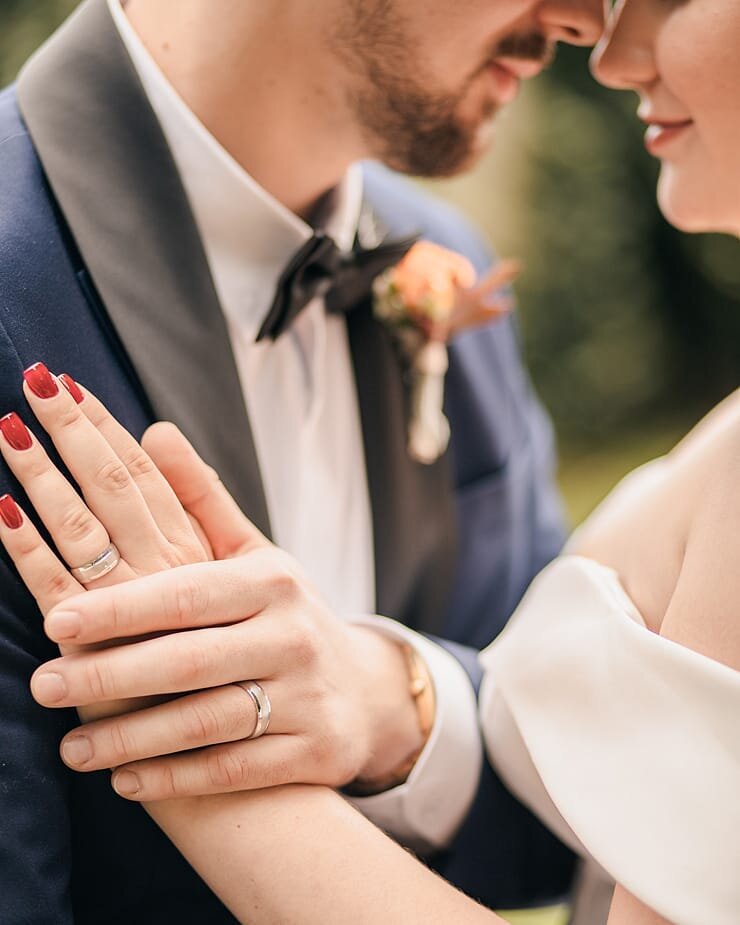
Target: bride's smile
680,56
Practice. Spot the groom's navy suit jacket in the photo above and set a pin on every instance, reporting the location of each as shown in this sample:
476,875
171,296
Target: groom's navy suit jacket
102,275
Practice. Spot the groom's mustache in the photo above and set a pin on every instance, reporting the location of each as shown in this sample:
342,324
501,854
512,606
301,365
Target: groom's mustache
530,46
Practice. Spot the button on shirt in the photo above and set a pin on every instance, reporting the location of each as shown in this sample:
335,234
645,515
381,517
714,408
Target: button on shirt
301,400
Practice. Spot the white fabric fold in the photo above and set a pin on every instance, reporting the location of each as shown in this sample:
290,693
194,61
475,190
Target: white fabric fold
626,743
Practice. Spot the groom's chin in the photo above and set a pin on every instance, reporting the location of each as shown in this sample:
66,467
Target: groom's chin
436,160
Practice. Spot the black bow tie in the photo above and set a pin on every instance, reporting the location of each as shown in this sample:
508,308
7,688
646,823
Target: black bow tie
321,269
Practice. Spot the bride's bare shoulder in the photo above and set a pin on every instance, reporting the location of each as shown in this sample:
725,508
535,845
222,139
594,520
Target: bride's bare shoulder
649,523
703,613
718,431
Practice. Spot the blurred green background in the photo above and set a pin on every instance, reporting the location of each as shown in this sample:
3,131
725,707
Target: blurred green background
631,329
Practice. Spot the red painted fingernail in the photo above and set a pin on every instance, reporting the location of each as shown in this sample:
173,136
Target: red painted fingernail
15,432
10,513
40,381
71,386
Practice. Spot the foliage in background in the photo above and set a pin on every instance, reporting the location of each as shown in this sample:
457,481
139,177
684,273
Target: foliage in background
24,24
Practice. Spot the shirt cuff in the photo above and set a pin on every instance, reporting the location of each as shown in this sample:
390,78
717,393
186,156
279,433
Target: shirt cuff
425,812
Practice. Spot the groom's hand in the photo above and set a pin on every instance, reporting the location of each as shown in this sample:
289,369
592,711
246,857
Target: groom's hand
341,706
340,694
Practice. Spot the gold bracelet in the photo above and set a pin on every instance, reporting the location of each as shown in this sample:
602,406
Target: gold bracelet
421,688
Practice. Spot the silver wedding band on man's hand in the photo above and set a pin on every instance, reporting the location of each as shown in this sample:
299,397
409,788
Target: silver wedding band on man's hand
261,704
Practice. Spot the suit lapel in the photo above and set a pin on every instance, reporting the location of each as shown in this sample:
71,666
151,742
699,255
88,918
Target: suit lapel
117,185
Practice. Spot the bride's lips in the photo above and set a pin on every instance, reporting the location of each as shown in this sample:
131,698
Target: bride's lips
661,135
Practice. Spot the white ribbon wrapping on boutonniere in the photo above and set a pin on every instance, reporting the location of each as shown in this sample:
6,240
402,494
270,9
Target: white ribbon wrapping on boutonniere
427,299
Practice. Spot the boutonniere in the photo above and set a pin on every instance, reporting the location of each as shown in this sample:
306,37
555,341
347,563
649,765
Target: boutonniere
427,299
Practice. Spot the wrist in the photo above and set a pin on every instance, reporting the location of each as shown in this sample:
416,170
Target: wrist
402,694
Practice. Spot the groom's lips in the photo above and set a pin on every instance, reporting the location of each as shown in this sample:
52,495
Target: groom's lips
506,83
508,73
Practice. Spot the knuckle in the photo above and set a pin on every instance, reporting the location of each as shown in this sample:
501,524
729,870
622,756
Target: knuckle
320,749
98,680
283,582
36,465
302,644
282,585
121,742
77,523
282,771
334,730
160,780
113,476
329,764
210,475
168,557
190,668
331,758
190,551
27,544
65,418
57,584
226,770
203,722
190,599
120,616
139,464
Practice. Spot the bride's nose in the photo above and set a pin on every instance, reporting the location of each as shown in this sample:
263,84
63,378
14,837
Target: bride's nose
577,22
623,58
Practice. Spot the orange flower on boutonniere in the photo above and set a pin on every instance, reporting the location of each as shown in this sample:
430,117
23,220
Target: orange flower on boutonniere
428,298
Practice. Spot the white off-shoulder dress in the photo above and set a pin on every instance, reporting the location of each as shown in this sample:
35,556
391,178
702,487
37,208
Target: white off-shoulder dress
625,743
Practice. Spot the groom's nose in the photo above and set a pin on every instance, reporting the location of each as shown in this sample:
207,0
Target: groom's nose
577,22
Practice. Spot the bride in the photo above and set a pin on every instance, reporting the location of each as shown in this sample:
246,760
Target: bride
653,801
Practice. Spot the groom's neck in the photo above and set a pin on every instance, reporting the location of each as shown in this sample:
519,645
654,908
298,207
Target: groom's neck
260,78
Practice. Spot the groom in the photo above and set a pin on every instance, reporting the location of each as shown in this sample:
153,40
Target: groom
160,166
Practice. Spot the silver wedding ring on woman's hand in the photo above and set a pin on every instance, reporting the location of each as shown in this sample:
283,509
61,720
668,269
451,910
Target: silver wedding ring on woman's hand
99,566
262,706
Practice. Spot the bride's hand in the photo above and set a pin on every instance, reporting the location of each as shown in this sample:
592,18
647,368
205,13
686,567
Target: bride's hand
340,694
127,500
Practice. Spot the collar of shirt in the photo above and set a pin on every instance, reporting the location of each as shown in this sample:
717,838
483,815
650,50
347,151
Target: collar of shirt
248,236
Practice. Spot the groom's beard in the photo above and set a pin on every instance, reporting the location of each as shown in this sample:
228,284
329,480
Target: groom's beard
409,127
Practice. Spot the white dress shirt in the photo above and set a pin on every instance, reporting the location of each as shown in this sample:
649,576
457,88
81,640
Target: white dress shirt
302,403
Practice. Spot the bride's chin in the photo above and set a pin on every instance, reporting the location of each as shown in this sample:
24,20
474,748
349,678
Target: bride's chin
694,209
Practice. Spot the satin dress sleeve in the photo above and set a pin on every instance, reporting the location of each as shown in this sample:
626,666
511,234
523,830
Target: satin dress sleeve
626,744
